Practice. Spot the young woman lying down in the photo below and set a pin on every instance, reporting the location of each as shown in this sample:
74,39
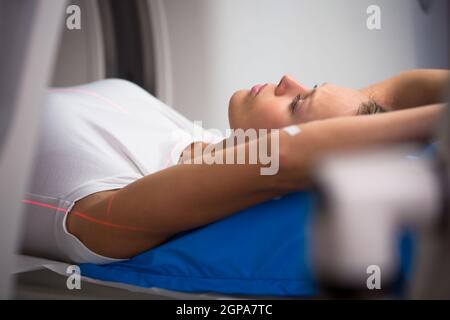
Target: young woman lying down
127,183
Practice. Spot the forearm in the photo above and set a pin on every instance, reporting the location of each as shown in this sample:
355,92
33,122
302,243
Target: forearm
410,89
187,196
324,137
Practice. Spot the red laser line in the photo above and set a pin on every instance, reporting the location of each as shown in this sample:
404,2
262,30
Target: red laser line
109,224
86,217
40,204
110,204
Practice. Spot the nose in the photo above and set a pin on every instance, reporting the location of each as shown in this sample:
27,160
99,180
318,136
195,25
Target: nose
288,85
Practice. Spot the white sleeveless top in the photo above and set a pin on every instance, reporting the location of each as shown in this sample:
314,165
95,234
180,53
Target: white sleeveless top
97,137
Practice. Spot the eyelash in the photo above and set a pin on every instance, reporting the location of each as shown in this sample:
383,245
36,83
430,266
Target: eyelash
294,104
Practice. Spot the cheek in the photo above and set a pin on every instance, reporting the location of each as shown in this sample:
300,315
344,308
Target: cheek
342,106
342,103
266,115
326,107
273,117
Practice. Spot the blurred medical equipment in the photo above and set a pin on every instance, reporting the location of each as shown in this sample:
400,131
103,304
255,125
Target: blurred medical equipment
367,199
29,32
115,41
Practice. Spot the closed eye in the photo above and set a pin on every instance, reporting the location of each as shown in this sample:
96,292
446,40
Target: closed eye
300,98
295,103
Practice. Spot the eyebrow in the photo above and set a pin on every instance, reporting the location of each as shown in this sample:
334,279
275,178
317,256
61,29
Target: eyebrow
302,97
310,93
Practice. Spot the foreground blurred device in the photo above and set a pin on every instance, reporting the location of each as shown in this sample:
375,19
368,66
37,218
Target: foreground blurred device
29,33
366,200
432,280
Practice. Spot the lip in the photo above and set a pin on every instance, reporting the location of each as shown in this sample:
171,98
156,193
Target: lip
257,89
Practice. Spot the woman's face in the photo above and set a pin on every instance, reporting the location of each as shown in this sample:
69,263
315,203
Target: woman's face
272,106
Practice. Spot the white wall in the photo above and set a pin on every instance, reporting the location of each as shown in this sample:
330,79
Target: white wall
218,46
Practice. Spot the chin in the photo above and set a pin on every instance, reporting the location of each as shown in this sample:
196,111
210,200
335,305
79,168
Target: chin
238,98
234,105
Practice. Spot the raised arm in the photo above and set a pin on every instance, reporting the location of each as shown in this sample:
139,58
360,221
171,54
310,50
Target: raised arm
341,134
410,89
151,210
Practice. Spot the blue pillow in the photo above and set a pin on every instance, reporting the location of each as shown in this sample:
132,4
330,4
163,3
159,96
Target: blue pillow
261,251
